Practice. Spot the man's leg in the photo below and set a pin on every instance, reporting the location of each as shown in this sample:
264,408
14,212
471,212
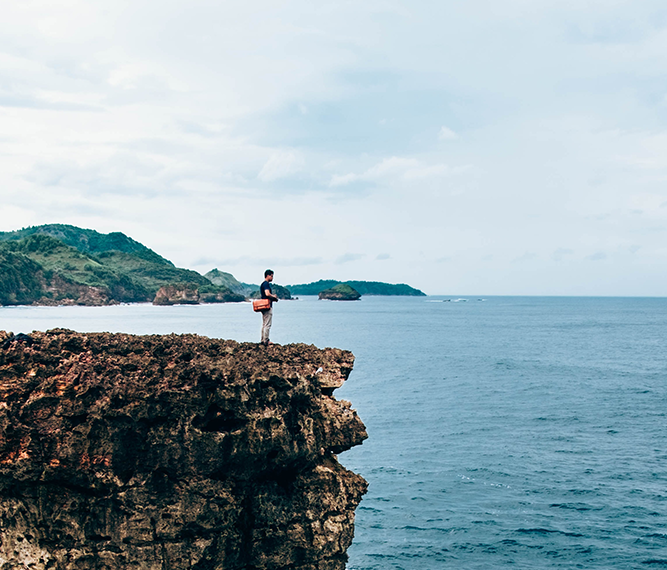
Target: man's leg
267,318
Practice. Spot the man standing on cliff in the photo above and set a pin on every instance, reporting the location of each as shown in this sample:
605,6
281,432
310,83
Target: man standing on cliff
267,315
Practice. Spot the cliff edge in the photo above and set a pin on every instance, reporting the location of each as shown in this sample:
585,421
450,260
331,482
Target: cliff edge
173,452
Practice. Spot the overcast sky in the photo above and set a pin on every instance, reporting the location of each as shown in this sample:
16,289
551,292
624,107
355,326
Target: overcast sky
477,147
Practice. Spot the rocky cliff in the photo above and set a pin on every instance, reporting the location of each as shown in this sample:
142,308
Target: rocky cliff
173,452
193,294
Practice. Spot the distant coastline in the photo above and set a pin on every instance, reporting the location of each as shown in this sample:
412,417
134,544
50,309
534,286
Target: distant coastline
59,264
363,287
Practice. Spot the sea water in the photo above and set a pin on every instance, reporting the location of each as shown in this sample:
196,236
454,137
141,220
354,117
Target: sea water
504,432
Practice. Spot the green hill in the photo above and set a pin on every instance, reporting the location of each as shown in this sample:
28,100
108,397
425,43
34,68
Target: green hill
363,287
88,241
36,267
223,279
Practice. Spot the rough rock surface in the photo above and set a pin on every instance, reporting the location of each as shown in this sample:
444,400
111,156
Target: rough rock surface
173,452
192,294
186,294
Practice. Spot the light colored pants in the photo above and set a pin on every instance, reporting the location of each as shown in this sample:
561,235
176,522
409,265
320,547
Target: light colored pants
267,318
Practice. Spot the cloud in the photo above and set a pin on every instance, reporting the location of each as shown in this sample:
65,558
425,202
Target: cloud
422,172
397,167
526,257
282,165
344,179
597,256
447,134
348,257
204,261
261,261
561,253
383,256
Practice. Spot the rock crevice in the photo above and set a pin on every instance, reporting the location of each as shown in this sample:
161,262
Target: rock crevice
173,452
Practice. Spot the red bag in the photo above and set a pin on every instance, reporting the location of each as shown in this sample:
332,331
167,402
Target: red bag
261,305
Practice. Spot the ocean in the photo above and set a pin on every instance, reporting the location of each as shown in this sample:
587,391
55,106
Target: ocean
523,432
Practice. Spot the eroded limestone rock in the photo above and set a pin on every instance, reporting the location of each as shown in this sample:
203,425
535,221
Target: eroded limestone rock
173,452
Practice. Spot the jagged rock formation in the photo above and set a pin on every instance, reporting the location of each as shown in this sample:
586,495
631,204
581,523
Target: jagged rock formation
193,294
185,294
173,452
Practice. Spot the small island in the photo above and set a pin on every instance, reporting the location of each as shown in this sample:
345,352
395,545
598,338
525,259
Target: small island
341,292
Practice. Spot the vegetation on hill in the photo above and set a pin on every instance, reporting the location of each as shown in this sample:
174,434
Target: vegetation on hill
54,257
224,279
21,279
41,269
88,241
363,287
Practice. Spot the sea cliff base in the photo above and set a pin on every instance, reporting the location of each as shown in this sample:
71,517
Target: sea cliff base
173,452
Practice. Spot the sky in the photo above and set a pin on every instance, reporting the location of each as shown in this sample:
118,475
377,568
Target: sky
488,147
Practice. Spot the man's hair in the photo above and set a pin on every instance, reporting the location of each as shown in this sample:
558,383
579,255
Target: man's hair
268,272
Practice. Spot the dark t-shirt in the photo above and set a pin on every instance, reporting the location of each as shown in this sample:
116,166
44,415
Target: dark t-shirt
264,288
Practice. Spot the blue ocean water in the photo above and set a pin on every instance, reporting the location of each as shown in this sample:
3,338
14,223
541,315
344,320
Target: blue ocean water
522,432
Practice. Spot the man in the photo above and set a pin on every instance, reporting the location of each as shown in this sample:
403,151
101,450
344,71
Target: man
267,315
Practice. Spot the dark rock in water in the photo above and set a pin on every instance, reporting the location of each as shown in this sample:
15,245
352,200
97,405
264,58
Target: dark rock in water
173,452
342,292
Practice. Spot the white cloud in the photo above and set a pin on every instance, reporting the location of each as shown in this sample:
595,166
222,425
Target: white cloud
447,134
282,165
526,257
344,179
561,253
397,167
348,257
